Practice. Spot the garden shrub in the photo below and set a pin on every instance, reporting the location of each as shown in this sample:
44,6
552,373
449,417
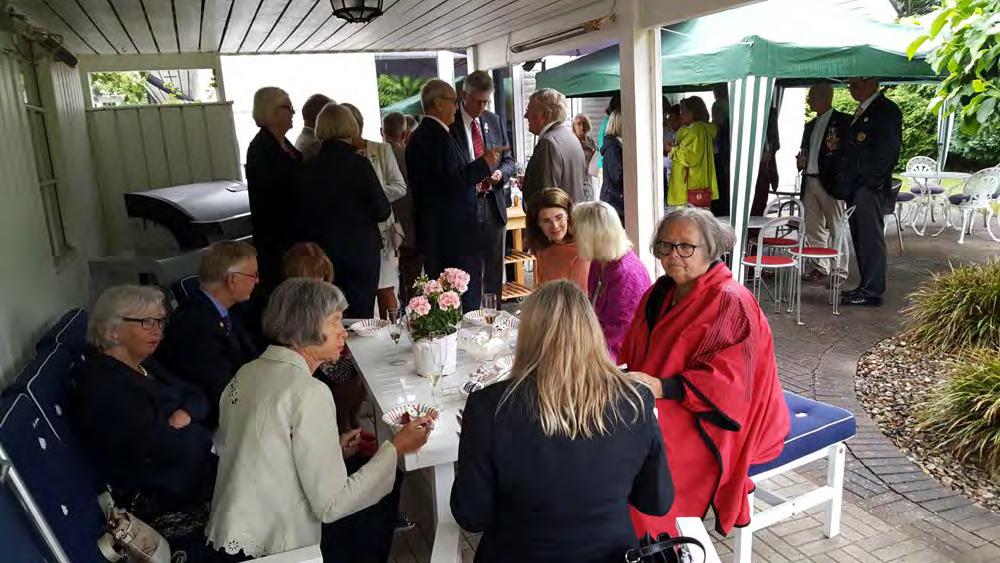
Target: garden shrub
957,309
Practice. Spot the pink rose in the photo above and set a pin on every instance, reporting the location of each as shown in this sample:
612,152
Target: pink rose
449,300
420,305
433,286
457,279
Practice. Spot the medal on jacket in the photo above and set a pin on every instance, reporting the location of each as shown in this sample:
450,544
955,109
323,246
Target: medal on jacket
862,137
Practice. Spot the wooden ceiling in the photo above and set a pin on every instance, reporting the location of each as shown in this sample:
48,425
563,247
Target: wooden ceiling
112,27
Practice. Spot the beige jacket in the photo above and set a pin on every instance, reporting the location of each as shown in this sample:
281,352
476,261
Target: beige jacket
281,470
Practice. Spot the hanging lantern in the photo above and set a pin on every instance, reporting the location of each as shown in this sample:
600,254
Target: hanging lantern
357,11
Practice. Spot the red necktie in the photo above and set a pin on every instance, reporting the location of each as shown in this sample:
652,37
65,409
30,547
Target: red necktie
478,148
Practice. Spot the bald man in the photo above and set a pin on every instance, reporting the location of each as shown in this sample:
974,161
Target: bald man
823,211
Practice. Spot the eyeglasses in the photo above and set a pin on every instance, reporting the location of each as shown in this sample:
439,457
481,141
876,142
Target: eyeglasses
664,249
148,323
254,276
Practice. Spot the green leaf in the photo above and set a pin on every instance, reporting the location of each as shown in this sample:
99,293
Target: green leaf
911,51
940,20
978,85
986,110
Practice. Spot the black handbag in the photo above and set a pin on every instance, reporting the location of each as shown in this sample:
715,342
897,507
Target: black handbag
664,549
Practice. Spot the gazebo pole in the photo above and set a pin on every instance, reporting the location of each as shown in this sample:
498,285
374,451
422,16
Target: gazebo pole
642,129
945,125
749,106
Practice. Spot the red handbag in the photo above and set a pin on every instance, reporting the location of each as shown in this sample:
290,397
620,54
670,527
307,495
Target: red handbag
700,197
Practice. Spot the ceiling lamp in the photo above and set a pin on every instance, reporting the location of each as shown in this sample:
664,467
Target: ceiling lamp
357,11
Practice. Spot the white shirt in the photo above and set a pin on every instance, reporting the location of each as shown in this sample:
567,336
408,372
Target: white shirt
439,122
468,119
281,471
816,140
864,106
547,127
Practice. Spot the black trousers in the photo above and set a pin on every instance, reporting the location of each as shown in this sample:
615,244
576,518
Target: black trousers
366,535
867,231
485,263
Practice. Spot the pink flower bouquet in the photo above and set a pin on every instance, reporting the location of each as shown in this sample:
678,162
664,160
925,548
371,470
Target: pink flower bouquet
436,305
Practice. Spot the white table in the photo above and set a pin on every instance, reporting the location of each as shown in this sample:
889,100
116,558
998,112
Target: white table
923,178
753,222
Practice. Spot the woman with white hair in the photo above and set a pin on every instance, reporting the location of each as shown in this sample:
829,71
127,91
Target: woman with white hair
271,170
617,277
142,426
704,348
550,459
340,205
281,471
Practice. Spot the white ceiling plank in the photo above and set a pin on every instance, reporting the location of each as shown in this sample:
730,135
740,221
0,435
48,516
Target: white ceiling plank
312,25
244,15
298,11
213,26
133,17
442,17
187,16
79,41
99,11
657,13
526,15
395,16
161,19
270,14
469,14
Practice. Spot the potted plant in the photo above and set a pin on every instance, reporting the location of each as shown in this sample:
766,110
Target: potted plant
434,314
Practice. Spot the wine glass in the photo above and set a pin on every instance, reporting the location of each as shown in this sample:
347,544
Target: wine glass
395,331
438,358
490,310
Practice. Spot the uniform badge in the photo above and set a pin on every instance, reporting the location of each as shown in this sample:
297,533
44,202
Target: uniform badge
862,137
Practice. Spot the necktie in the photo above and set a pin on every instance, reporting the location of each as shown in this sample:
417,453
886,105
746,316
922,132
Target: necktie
478,148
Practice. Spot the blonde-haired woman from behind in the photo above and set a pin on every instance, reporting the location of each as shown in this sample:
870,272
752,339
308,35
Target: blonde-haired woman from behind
550,459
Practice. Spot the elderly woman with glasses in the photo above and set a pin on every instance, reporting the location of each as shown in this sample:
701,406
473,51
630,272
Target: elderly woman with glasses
704,348
142,426
282,482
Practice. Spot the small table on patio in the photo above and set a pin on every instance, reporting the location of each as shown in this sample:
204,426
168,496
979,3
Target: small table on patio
753,222
923,179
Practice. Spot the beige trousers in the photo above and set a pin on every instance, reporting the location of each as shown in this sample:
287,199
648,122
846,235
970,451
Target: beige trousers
823,218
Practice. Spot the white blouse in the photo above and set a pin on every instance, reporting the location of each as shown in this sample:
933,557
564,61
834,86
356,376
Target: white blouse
281,470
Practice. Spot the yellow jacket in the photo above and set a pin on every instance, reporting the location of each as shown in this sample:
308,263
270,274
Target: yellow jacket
693,164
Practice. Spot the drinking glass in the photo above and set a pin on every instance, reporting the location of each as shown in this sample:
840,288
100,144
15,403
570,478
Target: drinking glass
395,328
438,357
490,310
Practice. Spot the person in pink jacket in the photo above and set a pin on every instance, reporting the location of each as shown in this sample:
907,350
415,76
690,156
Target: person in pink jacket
618,279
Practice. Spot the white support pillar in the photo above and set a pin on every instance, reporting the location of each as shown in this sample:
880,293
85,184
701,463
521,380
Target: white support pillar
446,66
518,105
642,129
471,60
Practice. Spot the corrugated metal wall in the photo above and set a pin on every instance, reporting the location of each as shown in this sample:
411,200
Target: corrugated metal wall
142,148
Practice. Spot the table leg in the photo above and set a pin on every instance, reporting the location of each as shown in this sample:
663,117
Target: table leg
447,533
695,528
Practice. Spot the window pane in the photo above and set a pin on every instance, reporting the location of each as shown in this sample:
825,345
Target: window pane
53,219
29,77
39,138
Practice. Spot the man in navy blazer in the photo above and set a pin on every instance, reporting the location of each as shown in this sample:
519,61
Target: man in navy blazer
870,149
445,182
475,129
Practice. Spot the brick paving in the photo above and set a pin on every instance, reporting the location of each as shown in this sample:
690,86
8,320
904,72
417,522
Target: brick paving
893,511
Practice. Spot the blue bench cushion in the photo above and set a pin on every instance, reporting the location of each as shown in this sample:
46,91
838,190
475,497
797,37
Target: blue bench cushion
58,477
71,331
182,290
903,197
46,379
814,426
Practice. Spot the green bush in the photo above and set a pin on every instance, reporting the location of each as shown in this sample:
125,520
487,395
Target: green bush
957,309
979,151
962,415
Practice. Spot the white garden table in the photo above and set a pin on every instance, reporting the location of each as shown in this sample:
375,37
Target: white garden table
922,179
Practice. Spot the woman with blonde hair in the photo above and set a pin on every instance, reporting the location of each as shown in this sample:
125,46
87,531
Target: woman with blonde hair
550,232
617,278
550,459
613,184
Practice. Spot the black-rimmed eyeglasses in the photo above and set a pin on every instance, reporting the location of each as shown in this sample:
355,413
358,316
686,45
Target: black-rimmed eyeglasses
254,276
664,249
147,323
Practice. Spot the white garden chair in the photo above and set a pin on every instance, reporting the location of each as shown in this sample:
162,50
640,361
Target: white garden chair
979,193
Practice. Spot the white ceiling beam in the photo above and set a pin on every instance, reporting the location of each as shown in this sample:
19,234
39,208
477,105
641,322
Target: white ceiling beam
658,13
163,61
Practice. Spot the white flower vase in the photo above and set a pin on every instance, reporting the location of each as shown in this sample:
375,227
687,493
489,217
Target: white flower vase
429,354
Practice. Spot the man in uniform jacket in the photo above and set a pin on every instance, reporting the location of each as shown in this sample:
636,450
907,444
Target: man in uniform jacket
444,181
475,129
823,211
557,160
869,151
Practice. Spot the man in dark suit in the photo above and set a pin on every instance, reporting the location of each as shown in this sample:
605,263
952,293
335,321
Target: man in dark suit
557,160
823,212
870,149
203,342
475,129
445,184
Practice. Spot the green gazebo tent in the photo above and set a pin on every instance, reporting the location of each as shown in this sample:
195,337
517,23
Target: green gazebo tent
754,49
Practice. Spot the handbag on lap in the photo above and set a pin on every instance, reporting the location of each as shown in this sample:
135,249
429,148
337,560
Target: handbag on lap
128,538
663,549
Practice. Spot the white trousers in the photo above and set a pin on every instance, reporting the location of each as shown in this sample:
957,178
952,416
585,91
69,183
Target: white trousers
823,219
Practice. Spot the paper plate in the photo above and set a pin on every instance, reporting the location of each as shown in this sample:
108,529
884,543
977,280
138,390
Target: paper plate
369,327
394,417
504,363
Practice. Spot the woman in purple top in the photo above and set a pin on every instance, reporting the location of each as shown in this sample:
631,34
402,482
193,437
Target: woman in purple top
617,279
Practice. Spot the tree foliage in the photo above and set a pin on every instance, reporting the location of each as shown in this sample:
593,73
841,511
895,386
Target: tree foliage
392,88
966,48
130,85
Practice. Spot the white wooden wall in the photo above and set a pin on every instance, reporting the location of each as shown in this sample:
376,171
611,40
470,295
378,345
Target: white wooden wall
146,147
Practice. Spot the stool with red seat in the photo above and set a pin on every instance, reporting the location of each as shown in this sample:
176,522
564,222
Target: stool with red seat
839,252
784,266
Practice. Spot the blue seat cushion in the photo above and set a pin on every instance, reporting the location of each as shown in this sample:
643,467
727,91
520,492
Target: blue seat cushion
958,199
814,426
71,331
932,189
48,383
903,197
59,479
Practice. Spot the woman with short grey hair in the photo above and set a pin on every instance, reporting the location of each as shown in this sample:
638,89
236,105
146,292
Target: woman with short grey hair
702,345
281,474
143,426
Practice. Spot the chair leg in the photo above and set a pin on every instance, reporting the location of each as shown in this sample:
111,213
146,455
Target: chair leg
989,229
966,220
797,272
899,232
836,455
743,539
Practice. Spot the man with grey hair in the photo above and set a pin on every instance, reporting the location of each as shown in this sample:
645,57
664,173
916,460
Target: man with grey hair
823,212
444,180
475,128
557,160
204,342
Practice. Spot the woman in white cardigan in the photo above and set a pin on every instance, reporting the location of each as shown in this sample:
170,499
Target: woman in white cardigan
387,169
281,472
